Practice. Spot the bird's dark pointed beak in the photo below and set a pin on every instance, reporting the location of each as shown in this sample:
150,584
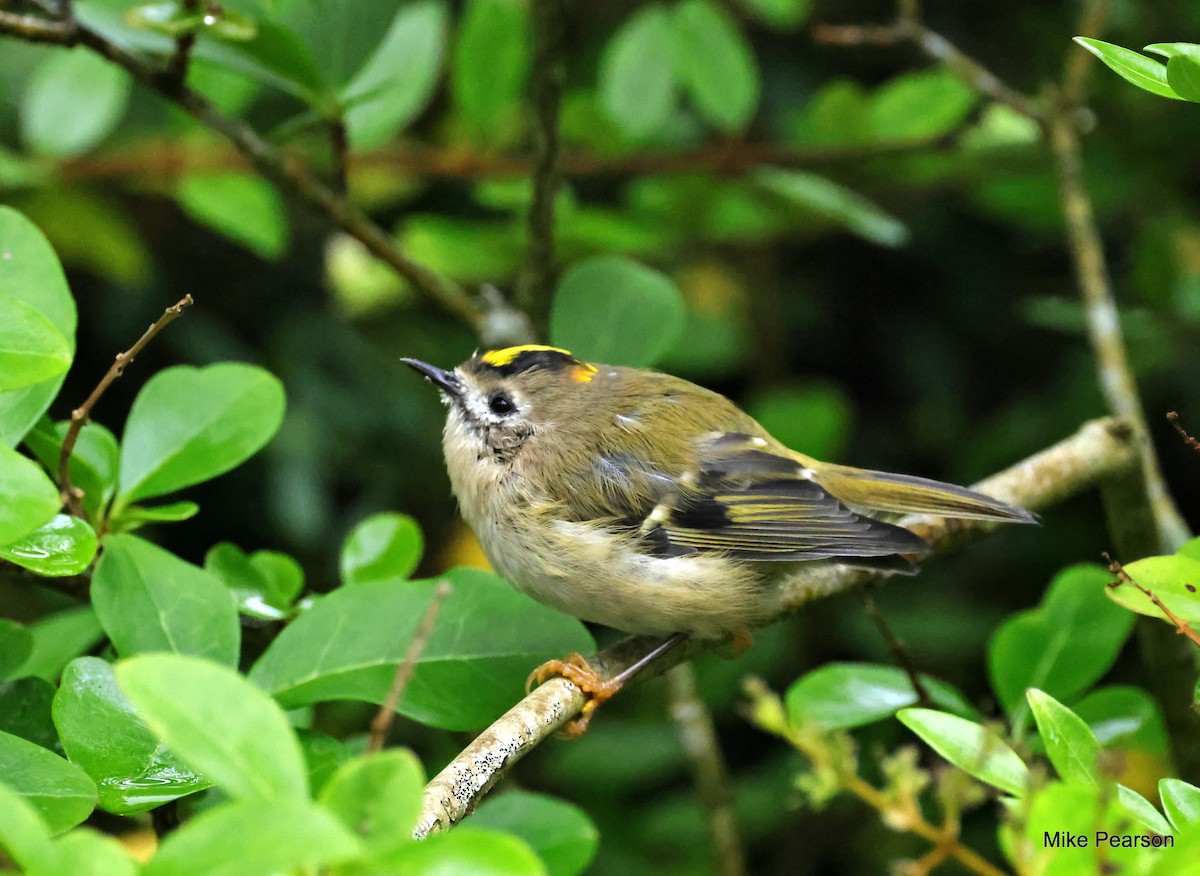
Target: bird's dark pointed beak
446,381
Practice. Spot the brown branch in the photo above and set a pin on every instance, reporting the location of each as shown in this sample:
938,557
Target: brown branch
1100,450
339,153
899,651
1173,419
382,722
549,73
1182,627
694,723
177,64
35,29
273,163
70,494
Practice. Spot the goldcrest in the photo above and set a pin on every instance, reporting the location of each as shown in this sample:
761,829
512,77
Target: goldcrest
641,501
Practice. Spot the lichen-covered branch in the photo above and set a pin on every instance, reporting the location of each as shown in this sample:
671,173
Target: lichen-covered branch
1100,450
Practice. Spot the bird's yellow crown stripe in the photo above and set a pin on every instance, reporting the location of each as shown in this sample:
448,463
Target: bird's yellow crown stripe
500,358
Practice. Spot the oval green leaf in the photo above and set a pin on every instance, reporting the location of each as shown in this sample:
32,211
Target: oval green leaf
971,747
60,638
29,270
191,424
487,639
779,14
1135,68
467,850
1070,744
637,73
246,209
64,546
32,349
255,838
25,836
1174,579
1063,646
30,497
1183,73
93,464
275,55
384,547
218,723
613,310
25,710
264,584
150,600
73,101
58,789
1181,802
101,732
87,852
715,64
825,199
16,644
920,105
491,62
397,81
134,517
560,833
839,696
379,797
1124,717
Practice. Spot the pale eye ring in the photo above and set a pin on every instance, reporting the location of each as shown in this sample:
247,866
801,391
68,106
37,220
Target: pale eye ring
501,404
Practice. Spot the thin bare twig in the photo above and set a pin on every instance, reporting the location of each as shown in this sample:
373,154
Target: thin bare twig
292,176
1099,451
71,495
899,651
339,154
382,722
1173,419
1182,627
537,273
177,64
34,28
694,723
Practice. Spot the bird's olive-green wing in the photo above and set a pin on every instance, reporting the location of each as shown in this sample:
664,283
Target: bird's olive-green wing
748,502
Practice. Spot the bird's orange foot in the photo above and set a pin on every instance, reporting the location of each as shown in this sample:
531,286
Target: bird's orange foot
580,673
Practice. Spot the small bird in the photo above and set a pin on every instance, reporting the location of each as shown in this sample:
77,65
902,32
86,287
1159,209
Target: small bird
641,501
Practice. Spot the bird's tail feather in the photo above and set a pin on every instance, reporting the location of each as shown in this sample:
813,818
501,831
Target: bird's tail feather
906,494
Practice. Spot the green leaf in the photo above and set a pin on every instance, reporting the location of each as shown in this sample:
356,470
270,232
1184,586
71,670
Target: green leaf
611,309
491,62
715,64
30,271
1145,73
86,852
30,498
244,208
383,547
93,464
16,644
818,196
274,55
1122,716
264,584
25,710
814,419
637,73
398,79
465,850
1181,802
255,838
1183,74
60,638
347,645
843,695
1142,811
25,836
59,790
136,516
191,424
836,114
922,105
73,100
1061,647
218,723
1069,742
1174,579
102,733
32,349
779,14
64,546
379,797
560,833
971,747
150,600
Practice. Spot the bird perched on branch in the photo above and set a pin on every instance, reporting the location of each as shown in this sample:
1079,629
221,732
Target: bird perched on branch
641,501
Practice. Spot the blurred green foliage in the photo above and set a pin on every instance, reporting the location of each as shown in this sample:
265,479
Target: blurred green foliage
852,244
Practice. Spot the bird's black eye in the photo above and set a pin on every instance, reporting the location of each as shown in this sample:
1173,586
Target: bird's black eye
501,404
